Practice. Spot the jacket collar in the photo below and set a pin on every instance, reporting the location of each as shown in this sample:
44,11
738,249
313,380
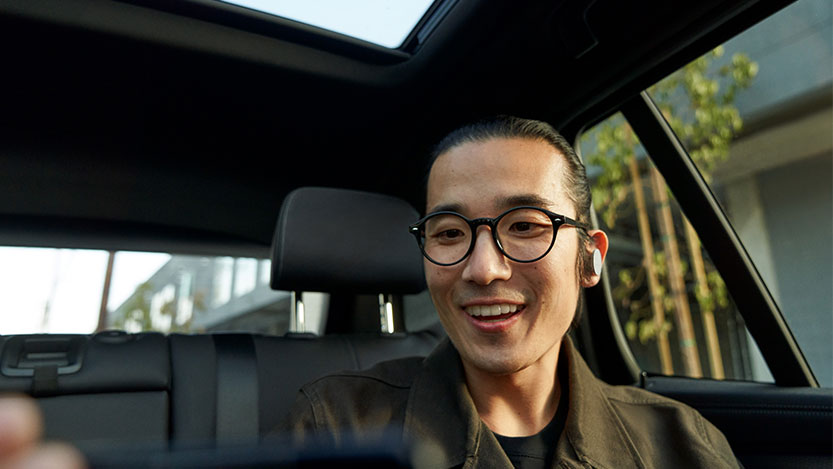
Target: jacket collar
593,429
440,411
441,416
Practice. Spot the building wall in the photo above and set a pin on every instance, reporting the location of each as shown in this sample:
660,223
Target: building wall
799,203
777,186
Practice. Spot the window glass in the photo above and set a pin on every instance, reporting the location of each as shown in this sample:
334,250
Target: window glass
61,291
675,309
384,22
755,117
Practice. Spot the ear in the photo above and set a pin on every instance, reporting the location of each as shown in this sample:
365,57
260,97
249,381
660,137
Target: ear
598,240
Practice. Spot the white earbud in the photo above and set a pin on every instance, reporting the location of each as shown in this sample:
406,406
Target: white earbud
597,262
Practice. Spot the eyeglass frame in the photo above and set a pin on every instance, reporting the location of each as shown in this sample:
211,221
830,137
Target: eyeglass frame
557,221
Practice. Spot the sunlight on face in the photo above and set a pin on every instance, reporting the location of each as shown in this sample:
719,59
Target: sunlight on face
483,179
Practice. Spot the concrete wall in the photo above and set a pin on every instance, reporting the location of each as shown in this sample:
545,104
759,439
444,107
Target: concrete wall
799,203
777,186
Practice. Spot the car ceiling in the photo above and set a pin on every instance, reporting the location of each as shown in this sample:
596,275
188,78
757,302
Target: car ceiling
182,125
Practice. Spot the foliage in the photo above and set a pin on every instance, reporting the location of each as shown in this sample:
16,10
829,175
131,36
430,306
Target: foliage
698,102
138,310
636,299
139,318
615,142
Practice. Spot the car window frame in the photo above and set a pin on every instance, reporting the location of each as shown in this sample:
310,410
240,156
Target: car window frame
755,303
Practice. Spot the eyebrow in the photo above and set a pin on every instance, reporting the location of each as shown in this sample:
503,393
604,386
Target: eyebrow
453,207
502,203
524,199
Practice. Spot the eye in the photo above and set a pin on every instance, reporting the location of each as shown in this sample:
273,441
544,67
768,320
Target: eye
449,235
525,228
446,229
521,226
524,224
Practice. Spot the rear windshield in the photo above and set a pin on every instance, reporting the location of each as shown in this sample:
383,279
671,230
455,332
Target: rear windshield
45,290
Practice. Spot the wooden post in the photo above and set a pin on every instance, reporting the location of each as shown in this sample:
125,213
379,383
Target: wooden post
648,263
105,294
707,315
682,312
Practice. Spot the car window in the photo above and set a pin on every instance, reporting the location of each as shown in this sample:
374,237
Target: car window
754,114
47,290
672,303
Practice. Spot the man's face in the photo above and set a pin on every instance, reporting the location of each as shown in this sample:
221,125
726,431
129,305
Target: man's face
484,179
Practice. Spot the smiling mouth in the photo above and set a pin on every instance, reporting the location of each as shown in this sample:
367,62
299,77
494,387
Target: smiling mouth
493,313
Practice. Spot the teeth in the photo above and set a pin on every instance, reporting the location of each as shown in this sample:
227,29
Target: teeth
491,310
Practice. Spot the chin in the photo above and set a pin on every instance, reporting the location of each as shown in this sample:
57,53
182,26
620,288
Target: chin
501,368
495,361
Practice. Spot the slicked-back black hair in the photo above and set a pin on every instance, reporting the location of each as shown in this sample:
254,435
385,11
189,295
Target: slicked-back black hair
502,126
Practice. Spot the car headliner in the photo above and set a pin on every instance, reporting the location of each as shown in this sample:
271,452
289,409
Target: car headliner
180,126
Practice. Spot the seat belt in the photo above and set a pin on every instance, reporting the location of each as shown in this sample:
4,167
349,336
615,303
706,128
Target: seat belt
45,381
237,388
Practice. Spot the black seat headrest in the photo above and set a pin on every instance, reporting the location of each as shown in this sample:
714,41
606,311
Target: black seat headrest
338,240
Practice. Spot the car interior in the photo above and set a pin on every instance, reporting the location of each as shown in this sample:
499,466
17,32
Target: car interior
200,127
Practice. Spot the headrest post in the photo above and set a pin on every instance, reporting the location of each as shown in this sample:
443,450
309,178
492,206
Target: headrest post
297,319
386,313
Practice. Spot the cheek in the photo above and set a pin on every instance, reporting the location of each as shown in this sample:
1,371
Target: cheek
557,278
440,282
437,279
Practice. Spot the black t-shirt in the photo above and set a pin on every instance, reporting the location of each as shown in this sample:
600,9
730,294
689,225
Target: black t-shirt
536,451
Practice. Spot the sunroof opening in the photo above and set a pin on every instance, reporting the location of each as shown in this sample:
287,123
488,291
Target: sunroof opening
384,22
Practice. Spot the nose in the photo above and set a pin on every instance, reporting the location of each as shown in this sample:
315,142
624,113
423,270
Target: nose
486,263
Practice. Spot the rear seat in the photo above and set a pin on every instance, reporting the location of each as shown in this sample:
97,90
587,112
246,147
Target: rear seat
152,388
106,386
264,375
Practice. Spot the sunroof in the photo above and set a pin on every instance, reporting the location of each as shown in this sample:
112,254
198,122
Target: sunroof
383,22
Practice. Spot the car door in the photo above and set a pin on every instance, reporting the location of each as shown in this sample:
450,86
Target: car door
714,185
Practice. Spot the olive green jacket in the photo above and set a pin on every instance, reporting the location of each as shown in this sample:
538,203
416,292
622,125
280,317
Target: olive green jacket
428,403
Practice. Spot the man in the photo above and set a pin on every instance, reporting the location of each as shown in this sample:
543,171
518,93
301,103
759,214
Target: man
507,250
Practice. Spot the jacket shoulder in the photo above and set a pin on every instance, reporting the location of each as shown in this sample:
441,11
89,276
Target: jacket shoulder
355,402
399,373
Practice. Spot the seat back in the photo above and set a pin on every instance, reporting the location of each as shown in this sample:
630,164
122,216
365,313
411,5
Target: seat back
93,388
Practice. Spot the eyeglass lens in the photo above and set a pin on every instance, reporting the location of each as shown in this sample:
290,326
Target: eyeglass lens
523,235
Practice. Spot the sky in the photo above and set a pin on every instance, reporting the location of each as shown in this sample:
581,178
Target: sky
384,22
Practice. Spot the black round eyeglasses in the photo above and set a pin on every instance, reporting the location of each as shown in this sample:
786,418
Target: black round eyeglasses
523,234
